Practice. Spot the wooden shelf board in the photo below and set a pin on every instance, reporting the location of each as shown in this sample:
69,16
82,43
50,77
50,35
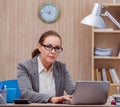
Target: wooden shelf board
106,31
112,4
112,84
99,57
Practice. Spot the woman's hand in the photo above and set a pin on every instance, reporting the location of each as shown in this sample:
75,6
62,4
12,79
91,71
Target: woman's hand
61,99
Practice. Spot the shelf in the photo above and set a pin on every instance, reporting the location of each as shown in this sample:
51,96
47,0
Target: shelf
99,57
107,38
112,4
106,31
112,84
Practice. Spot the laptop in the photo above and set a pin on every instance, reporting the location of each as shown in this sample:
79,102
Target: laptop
90,92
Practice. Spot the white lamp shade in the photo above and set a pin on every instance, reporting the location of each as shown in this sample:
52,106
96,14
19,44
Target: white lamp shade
95,19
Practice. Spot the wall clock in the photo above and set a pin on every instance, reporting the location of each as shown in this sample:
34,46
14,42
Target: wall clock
49,12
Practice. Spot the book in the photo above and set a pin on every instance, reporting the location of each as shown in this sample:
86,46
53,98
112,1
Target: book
109,78
104,76
114,75
98,74
95,74
119,54
102,51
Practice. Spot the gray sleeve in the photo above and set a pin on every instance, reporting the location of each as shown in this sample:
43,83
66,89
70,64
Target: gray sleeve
25,86
69,84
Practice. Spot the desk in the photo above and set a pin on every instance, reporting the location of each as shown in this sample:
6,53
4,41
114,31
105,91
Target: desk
53,105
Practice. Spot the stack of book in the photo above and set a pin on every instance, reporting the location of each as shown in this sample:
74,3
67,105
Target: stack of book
102,51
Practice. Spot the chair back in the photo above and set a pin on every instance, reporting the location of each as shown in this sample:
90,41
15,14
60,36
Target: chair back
13,91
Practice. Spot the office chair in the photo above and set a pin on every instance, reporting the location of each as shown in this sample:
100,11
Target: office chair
12,88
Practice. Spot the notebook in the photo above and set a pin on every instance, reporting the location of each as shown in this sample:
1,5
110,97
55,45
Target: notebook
90,92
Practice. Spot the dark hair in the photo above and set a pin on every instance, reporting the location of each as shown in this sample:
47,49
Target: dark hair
42,38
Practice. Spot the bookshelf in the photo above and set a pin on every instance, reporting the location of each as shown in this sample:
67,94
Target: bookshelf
107,38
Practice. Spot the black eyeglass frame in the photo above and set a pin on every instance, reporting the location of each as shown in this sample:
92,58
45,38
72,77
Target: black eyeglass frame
50,48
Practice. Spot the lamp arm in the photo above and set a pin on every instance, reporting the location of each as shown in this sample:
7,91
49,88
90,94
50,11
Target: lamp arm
112,18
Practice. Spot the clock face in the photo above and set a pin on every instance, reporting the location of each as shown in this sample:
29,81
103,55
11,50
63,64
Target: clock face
49,12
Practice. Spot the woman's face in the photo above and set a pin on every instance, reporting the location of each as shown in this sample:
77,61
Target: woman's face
48,56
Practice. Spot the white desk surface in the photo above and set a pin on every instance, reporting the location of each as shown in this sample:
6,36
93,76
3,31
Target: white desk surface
53,105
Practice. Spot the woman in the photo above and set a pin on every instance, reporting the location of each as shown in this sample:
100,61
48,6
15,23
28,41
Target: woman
42,78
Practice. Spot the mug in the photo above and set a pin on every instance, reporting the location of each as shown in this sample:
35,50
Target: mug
11,94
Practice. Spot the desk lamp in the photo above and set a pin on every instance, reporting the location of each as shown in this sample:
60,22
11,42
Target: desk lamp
95,18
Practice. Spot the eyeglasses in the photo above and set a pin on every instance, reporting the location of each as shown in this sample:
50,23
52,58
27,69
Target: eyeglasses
50,48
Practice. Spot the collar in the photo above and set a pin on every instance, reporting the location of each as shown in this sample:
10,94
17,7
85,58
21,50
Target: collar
41,66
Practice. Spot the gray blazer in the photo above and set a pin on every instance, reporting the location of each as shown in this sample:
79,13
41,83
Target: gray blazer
28,80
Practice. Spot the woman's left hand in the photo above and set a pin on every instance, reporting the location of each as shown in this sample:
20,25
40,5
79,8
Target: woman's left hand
67,98
61,99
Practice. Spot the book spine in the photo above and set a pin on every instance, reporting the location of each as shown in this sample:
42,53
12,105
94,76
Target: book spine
98,74
114,75
109,76
119,54
104,74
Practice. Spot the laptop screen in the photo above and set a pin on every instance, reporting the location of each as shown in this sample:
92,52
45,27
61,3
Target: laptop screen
91,92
